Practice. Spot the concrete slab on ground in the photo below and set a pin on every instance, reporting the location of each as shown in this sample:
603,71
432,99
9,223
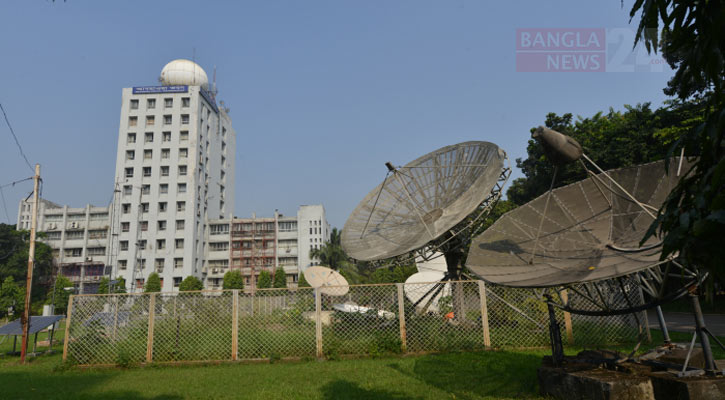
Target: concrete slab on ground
685,322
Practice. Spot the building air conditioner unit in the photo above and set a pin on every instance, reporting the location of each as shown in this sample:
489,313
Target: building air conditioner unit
74,225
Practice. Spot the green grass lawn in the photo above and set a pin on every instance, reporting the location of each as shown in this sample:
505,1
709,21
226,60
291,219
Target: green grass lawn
466,375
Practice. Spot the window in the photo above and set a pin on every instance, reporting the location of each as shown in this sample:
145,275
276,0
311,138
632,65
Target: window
132,121
167,119
148,154
180,206
162,225
185,119
139,283
160,244
125,226
162,206
159,264
150,120
222,175
168,103
130,154
182,170
146,189
146,172
144,226
224,132
178,263
149,137
122,264
179,243
164,187
166,136
126,208
224,146
183,136
151,103
179,224
219,246
185,102
131,138
224,159
165,171
129,172
219,229
124,245
183,153
181,188
53,235
165,154
144,207
127,190
134,104
142,246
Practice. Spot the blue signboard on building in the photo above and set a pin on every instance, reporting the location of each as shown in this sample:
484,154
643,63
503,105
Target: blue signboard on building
160,89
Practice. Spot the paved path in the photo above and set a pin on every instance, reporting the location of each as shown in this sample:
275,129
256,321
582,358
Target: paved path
685,322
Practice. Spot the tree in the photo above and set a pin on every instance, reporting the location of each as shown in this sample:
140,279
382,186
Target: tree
103,285
14,246
301,281
264,280
11,295
153,283
331,253
59,295
692,41
280,278
613,140
233,280
190,283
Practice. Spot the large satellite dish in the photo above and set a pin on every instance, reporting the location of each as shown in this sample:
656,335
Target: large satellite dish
425,289
328,281
426,204
586,232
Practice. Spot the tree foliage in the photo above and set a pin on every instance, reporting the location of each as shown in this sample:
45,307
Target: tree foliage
331,253
14,246
61,294
301,281
153,283
616,139
280,278
190,283
11,295
264,280
233,280
691,37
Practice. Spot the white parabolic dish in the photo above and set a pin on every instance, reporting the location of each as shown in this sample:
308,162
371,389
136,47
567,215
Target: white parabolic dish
329,281
418,286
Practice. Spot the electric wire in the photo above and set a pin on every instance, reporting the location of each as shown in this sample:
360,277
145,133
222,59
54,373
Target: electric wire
22,153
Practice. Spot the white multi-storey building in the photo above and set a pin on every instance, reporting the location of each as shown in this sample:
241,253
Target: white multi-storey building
174,171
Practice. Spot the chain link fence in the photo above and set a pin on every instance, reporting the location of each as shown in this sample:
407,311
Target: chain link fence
122,329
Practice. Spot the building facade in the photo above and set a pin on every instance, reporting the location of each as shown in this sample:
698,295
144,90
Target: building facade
174,171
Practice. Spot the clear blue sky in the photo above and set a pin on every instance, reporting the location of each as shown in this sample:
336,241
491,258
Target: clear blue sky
321,93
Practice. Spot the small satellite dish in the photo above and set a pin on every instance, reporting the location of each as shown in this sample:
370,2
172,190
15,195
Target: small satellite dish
425,289
436,263
431,204
329,281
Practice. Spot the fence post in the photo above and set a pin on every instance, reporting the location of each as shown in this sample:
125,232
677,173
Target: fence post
567,319
318,322
646,318
235,323
401,318
484,314
150,342
67,327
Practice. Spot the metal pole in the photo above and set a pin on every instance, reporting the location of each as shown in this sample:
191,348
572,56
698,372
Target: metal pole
663,325
704,340
31,263
401,318
557,348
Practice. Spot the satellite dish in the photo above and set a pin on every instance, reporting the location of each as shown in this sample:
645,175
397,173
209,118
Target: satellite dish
436,263
425,289
427,205
328,281
585,232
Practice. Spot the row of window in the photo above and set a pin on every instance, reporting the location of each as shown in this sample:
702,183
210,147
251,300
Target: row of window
149,137
91,251
151,120
159,263
160,244
76,217
74,235
148,154
168,103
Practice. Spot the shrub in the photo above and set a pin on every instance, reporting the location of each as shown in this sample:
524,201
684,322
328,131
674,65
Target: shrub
264,280
233,280
190,283
280,278
153,283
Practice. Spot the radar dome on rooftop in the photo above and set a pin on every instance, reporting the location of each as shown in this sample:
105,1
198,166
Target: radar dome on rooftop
184,72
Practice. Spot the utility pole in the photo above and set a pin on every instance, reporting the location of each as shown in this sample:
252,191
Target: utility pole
31,263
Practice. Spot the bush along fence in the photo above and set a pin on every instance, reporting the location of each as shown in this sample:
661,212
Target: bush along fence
122,329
